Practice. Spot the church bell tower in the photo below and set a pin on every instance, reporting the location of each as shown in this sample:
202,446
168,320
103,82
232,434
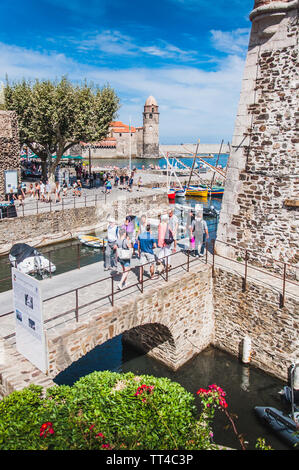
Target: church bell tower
151,128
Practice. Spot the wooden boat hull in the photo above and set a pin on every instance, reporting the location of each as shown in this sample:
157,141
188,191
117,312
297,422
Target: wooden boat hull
197,192
93,242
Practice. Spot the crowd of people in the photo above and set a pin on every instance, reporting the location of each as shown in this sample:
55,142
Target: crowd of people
135,238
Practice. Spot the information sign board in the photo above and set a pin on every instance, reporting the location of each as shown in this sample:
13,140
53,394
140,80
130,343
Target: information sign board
28,307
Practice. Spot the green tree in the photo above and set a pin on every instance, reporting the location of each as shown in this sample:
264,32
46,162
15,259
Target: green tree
55,115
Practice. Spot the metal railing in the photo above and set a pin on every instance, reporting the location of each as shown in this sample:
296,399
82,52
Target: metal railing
163,275
72,202
77,260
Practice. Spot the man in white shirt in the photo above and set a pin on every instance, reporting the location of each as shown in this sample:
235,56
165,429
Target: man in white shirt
110,261
199,230
173,222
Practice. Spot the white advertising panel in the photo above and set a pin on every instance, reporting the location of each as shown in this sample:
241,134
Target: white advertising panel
28,307
11,180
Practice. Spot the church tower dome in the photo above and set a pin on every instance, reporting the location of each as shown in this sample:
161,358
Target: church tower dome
151,128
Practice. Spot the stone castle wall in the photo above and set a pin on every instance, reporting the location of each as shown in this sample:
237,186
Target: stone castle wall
9,146
263,168
256,313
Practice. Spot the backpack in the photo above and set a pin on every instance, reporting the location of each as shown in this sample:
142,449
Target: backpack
169,240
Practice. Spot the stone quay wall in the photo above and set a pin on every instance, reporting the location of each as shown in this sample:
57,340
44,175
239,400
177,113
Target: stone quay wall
50,227
260,209
9,146
256,313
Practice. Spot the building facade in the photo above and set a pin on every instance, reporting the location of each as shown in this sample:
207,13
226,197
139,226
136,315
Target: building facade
125,140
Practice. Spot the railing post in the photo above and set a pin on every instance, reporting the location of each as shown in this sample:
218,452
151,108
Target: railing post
23,208
78,255
112,291
50,268
77,306
245,274
74,202
282,296
37,206
213,265
166,268
206,246
188,260
62,204
85,200
96,197
141,278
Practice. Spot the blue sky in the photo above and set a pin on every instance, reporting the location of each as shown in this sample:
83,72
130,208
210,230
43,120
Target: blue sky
189,54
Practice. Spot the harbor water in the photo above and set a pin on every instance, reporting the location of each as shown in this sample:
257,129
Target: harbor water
245,386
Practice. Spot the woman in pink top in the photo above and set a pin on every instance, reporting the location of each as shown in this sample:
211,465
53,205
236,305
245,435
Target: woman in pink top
163,232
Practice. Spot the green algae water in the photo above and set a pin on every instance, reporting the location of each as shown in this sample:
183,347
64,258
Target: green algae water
244,385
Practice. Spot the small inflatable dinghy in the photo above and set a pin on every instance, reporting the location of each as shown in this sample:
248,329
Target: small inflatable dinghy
29,260
285,426
281,424
93,242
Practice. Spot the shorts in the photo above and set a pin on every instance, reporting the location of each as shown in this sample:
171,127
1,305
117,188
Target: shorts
125,262
147,258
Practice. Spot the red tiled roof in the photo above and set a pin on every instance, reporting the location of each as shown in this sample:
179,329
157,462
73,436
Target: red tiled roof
120,127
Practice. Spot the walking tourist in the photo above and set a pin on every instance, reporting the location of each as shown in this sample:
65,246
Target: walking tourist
48,191
42,190
173,225
110,260
165,239
124,253
108,187
130,183
57,192
79,188
20,195
146,245
31,191
139,183
199,231
37,190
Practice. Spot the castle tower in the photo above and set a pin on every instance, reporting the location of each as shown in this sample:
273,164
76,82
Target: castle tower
151,128
260,202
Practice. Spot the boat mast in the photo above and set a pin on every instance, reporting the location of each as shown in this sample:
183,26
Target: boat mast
194,158
213,177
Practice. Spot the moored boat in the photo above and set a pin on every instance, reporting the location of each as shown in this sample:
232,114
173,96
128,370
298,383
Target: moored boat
93,242
196,192
285,426
281,424
29,260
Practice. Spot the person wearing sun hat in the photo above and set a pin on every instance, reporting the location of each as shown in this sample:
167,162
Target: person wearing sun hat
110,261
199,230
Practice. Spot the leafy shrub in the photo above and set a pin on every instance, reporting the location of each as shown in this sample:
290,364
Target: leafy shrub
104,410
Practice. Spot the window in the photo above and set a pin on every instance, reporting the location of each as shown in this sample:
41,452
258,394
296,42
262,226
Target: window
150,116
153,110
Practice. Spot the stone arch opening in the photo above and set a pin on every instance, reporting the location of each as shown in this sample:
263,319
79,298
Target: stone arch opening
154,340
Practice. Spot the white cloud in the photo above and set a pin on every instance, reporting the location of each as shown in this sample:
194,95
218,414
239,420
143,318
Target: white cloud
232,42
113,42
193,102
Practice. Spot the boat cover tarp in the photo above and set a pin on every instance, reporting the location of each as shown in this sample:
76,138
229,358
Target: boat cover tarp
21,251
